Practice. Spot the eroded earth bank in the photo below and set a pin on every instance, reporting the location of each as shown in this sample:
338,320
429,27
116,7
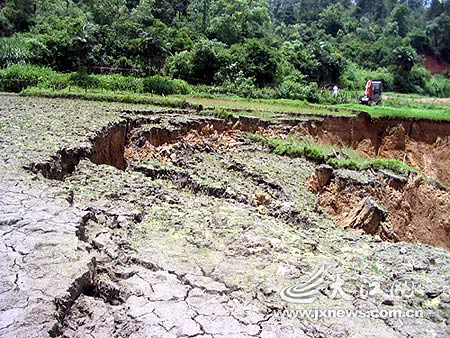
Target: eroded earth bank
129,221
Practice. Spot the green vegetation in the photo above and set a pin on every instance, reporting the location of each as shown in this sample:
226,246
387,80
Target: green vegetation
114,87
267,109
333,155
404,110
261,108
18,77
268,49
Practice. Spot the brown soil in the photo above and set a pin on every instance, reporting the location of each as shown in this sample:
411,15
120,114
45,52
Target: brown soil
411,210
395,208
109,148
424,145
434,65
208,136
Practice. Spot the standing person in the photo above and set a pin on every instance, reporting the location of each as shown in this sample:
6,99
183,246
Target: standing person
335,90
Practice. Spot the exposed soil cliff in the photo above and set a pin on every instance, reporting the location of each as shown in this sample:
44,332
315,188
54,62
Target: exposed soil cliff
422,144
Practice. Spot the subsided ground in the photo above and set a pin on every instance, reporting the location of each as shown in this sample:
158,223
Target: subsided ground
146,222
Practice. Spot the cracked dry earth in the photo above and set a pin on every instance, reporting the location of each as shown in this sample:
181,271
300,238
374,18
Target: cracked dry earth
130,221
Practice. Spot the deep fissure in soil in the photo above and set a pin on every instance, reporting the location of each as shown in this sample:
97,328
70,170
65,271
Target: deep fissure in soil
395,208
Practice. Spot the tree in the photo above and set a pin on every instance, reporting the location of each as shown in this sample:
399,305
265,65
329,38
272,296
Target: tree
235,21
198,14
257,59
440,39
333,19
283,10
404,58
375,9
436,8
301,57
402,16
201,64
20,13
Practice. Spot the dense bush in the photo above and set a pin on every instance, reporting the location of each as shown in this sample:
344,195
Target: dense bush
116,82
439,86
83,80
165,86
297,91
18,77
354,77
14,50
56,81
201,64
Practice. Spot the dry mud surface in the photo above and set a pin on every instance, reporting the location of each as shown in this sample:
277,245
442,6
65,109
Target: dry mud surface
127,221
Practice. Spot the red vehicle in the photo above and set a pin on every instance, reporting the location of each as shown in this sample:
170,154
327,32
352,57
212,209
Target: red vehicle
372,93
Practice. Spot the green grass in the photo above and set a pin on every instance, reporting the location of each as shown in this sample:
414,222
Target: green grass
404,96
266,109
263,109
333,155
272,108
436,112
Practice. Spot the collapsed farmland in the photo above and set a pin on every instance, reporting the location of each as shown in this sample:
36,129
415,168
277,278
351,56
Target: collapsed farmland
139,221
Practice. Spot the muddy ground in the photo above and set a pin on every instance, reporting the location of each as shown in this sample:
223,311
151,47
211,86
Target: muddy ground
132,221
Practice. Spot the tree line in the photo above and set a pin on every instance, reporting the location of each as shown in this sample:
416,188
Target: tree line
240,43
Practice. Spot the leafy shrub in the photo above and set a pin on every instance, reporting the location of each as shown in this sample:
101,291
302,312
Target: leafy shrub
180,64
239,84
57,81
83,80
293,90
165,86
18,77
354,77
116,82
14,50
344,96
181,87
439,85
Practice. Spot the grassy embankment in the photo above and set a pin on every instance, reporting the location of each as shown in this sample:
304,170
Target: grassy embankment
333,155
262,108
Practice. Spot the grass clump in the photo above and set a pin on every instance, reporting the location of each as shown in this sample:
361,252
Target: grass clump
395,108
392,165
219,113
333,155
